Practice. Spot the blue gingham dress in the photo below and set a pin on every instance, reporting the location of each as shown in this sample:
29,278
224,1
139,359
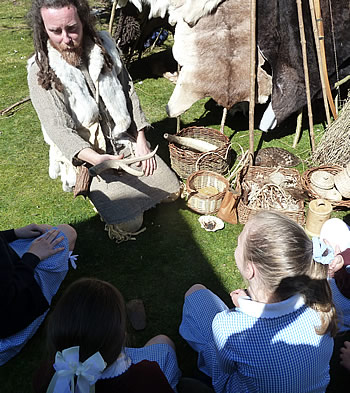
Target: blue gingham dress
163,354
257,347
49,274
342,305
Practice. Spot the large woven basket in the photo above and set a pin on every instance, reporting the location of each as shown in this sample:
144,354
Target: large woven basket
185,162
204,204
258,174
306,183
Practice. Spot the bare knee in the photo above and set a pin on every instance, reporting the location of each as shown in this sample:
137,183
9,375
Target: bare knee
194,288
161,339
70,233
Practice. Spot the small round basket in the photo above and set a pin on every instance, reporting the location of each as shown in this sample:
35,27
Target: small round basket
199,201
307,185
342,182
185,162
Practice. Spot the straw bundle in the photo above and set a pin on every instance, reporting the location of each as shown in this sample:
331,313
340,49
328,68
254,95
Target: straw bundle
334,147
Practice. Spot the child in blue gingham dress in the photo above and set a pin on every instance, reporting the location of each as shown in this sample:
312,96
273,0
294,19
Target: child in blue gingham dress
274,340
33,274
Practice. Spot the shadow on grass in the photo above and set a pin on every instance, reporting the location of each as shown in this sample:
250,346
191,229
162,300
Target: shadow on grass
158,267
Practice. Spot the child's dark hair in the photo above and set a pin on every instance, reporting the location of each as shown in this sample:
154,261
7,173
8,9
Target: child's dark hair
90,314
283,255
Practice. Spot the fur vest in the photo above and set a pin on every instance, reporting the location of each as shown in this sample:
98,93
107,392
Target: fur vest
84,107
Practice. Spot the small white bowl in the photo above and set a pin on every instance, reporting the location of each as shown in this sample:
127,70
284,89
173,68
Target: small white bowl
211,223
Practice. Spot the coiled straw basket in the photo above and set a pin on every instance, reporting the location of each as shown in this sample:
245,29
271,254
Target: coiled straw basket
185,162
334,170
201,203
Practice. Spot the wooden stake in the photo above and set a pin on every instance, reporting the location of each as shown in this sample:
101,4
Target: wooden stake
252,75
298,128
318,51
178,118
306,73
223,119
111,20
178,123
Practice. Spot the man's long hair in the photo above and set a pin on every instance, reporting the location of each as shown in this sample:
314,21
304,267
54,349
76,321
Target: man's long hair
46,76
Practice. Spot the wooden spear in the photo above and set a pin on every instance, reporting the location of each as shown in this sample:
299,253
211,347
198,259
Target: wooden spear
252,76
306,73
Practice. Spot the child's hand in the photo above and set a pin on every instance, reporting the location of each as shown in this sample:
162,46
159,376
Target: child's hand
337,263
44,247
236,294
345,355
32,230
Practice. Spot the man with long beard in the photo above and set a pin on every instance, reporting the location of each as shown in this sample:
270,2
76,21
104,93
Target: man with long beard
90,113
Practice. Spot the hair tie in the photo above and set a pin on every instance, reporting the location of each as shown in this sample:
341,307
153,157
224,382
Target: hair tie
321,252
67,366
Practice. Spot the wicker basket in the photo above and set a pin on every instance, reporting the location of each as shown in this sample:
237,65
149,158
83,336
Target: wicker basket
199,202
306,183
258,172
185,162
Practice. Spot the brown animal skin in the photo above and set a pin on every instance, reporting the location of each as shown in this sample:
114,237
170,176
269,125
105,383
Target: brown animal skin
276,156
214,56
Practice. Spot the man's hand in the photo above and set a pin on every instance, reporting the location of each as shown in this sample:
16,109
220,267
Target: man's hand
92,157
106,157
32,230
44,247
150,165
237,293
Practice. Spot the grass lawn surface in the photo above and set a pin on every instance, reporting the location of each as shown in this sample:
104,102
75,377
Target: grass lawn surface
164,261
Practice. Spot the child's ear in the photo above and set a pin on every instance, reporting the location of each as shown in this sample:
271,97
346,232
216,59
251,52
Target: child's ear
249,270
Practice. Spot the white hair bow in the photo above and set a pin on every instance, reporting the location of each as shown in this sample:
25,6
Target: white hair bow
67,366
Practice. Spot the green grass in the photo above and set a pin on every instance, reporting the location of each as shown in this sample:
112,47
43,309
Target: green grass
164,261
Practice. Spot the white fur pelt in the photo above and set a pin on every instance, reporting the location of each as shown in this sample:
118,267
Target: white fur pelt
83,107
188,10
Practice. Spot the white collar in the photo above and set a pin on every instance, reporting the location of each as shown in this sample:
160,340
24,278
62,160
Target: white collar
270,310
117,368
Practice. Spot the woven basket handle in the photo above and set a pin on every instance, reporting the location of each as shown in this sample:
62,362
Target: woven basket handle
205,154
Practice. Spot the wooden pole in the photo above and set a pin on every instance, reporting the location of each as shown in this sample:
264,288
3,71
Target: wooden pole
111,20
298,128
178,118
223,120
318,51
252,76
320,29
306,73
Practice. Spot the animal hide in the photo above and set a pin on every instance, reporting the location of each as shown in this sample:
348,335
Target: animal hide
279,42
214,55
188,10
211,44
274,157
